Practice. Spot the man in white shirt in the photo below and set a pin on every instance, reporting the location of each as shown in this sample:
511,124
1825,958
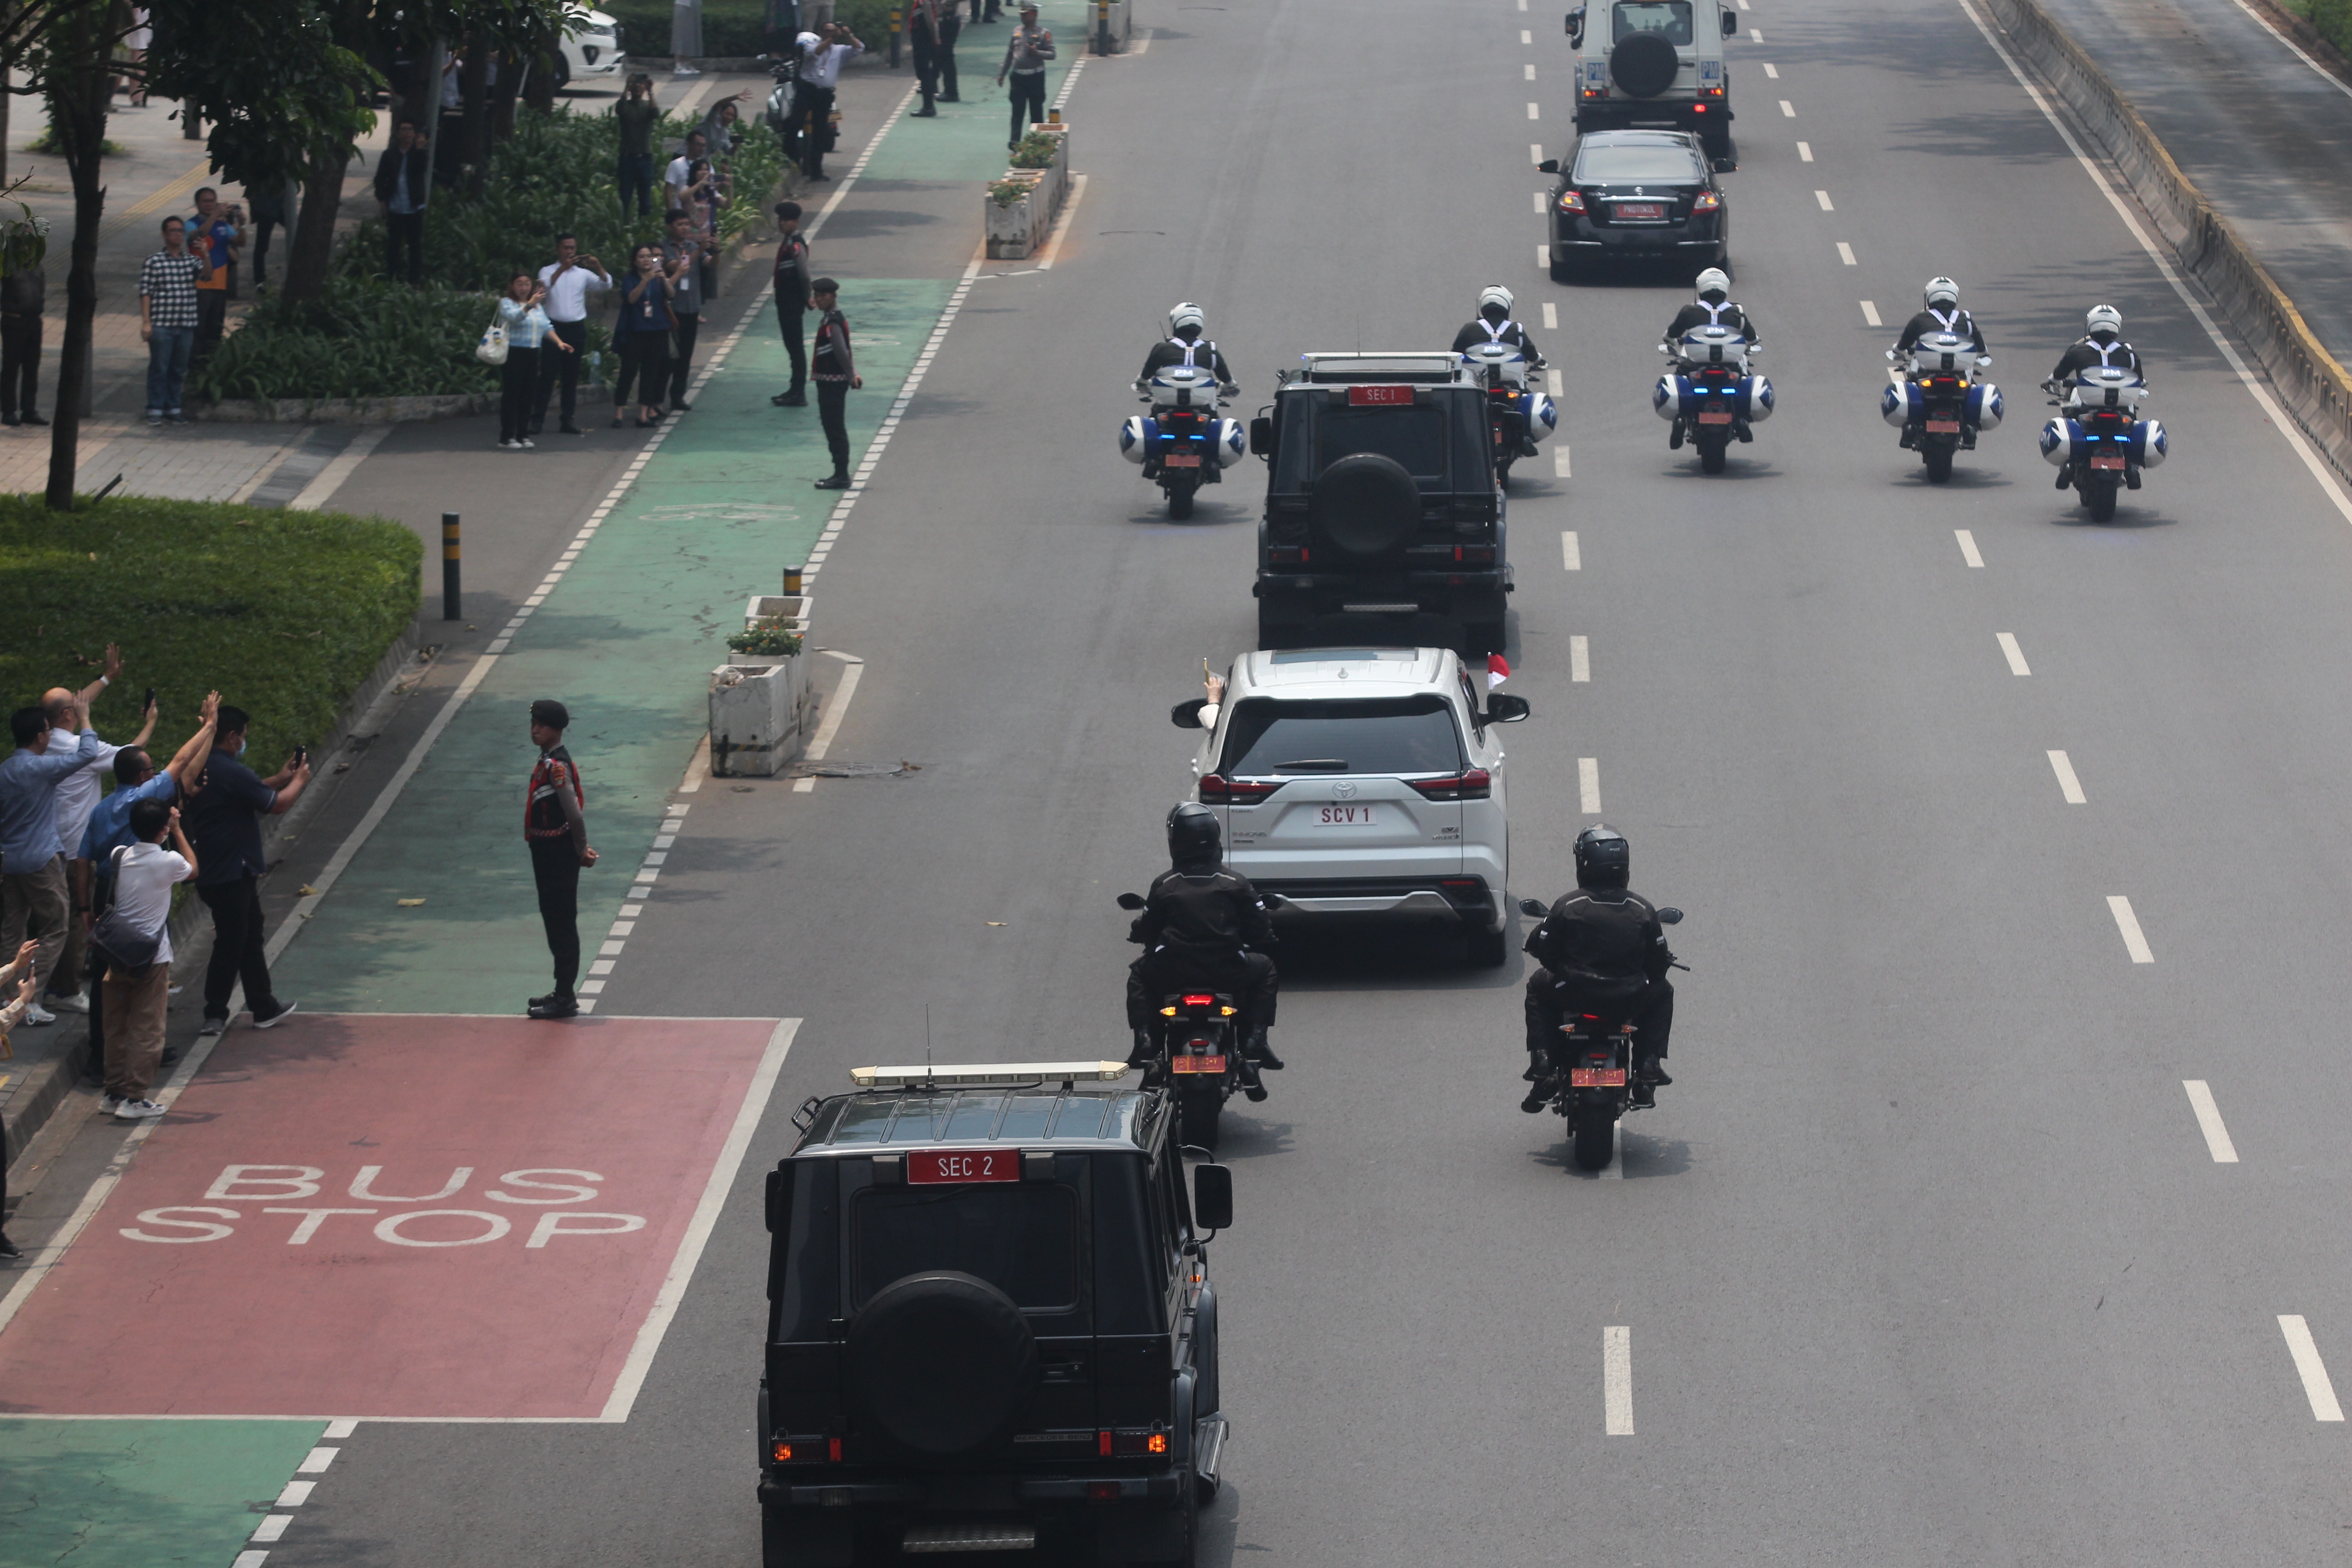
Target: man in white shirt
821,62
569,280
676,177
78,796
137,994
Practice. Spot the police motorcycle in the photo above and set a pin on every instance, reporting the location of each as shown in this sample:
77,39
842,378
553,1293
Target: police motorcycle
2099,442
1196,1050
1593,1069
782,112
1938,400
1181,443
1711,396
1515,412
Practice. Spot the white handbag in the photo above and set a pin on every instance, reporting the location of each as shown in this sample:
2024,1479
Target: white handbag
492,349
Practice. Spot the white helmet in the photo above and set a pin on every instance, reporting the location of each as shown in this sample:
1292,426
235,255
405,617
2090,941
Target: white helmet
1714,281
1940,291
809,42
1494,294
1187,314
2104,319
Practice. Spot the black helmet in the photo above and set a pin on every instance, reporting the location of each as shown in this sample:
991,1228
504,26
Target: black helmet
1193,835
1603,858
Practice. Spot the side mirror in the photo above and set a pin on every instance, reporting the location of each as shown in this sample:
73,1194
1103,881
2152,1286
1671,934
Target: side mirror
1212,1197
1262,436
1186,715
1731,24
1549,167
1670,915
1131,900
1576,26
1533,908
1503,708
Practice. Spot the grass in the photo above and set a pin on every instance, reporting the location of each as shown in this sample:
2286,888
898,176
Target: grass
284,613
2332,19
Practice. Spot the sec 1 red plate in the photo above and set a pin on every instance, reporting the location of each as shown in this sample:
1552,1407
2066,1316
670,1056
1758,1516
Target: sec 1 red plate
933,1167
1376,396
1197,1064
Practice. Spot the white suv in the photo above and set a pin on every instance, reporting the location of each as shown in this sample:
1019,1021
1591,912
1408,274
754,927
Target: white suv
592,46
1365,783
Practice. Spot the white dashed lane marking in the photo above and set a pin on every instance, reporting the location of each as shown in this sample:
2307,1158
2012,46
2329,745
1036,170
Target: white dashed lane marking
1559,466
1531,111
1579,659
1571,556
1967,540
1824,198
2209,1122
1870,314
1526,36
1787,110
1551,377
1531,73
2312,1371
1804,152
1551,323
2011,652
1754,35
1535,151
1617,1380
2069,786
2134,940
1587,784
1540,202
1845,254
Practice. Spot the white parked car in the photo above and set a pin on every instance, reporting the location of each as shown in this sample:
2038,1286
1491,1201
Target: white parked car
1364,783
592,46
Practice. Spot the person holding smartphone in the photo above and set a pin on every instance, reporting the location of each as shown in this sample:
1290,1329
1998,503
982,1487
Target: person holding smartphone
523,314
642,335
216,229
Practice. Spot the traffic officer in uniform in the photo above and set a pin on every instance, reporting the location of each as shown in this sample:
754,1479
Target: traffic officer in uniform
1185,344
555,826
1493,325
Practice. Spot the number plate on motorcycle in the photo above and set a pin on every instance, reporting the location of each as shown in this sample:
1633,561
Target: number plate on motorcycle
2106,460
1943,427
1639,209
1198,1064
1596,1077
1713,416
1378,396
1344,815
1181,461
933,1166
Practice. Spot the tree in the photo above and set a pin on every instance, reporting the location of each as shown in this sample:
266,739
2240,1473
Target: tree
71,59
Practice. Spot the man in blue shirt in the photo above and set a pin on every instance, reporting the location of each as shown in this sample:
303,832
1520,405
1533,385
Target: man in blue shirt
215,231
32,859
224,822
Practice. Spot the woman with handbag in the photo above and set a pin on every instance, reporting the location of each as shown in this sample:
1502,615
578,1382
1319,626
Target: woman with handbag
133,940
20,984
522,316
642,334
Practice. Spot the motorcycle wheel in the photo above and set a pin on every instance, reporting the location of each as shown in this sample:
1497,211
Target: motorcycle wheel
1596,1136
1710,453
1180,501
2099,499
1939,464
1196,1115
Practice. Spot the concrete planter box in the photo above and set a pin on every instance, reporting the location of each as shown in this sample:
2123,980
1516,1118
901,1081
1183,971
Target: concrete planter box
758,713
792,609
349,410
1013,231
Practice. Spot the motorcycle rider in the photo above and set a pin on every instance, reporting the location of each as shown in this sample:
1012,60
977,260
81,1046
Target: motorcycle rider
1184,345
1203,925
1603,951
1493,325
1940,312
1713,307
2101,344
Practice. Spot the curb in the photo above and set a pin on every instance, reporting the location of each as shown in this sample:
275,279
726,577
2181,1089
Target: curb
46,1085
348,410
2316,389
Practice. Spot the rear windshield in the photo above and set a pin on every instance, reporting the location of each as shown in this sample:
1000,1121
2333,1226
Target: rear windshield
1414,436
1615,165
1021,1237
1270,738
1670,17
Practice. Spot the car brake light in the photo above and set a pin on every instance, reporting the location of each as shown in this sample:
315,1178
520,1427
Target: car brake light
1199,1001
1102,1448
1474,553
1705,202
832,1449
1698,108
1236,791
1103,1491
782,1452
1475,785
1572,201
1286,555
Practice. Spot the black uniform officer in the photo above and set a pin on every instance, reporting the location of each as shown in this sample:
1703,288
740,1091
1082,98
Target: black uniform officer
1713,307
1603,951
1184,345
557,831
1203,926
2102,344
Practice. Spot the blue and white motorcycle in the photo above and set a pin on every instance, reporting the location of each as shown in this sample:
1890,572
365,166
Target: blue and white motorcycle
1712,396
1181,443
1940,402
1519,415
2099,442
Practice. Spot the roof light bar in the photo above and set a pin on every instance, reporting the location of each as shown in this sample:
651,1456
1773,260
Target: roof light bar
949,1074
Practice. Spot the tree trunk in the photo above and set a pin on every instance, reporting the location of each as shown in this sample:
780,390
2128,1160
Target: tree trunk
540,92
78,98
474,109
503,96
313,244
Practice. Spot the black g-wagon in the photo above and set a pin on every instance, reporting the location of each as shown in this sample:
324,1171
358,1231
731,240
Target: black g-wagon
989,1323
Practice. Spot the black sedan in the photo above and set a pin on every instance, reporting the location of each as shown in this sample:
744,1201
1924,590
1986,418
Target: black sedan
1637,193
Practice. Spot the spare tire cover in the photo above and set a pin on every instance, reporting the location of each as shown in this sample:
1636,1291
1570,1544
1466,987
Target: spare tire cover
939,1363
1644,66
1366,504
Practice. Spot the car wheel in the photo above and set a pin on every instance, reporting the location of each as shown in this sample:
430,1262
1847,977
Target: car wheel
563,70
1488,949
1562,271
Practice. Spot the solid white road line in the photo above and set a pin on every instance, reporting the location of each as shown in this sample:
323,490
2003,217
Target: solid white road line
1588,783
1531,73
1824,198
2313,1372
2011,652
1551,321
1617,1380
1571,556
1579,659
2134,941
346,463
1559,466
1787,110
1772,71
1845,254
1531,111
2209,1122
1053,252
2069,786
1870,314
1968,548
1804,152
831,723
2264,23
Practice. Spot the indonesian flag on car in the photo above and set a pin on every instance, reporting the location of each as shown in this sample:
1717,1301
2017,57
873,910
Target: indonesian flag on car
1498,671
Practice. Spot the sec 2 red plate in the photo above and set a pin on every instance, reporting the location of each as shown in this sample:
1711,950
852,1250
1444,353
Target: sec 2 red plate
931,1167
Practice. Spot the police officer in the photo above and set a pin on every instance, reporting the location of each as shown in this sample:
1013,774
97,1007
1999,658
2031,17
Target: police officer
1493,325
1184,345
1713,307
1940,312
1203,925
1603,951
555,828
2102,343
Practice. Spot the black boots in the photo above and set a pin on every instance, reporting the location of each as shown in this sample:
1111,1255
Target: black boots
2065,476
1538,1077
837,481
555,1005
1253,1086
1139,1053
1255,1049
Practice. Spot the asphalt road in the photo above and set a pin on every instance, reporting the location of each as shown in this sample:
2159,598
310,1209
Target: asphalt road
1925,1258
